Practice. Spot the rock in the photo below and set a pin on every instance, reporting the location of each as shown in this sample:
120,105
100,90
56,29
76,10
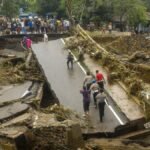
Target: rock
135,87
97,55
138,56
74,137
112,76
13,138
20,120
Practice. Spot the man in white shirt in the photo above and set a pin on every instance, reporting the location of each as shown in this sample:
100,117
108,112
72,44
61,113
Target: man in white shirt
88,80
100,98
94,88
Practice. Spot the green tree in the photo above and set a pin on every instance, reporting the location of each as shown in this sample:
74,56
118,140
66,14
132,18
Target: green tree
147,3
104,11
134,11
84,8
10,8
29,5
45,6
73,8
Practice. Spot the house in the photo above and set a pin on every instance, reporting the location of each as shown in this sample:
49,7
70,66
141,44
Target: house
117,25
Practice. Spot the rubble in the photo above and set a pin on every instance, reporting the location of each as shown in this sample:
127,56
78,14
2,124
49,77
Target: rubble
115,144
53,127
46,130
24,123
123,57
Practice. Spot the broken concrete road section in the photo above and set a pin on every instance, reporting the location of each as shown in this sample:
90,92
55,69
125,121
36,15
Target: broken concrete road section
23,89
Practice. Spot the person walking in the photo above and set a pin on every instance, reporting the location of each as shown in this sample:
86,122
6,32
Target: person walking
88,80
110,28
24,41
70,60
28,43
100,79
100,98
94,88
103,30
86,100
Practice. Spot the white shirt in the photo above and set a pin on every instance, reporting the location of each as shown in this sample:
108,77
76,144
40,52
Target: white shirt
88,79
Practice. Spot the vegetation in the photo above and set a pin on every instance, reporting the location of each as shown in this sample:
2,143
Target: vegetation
9,7
99,11
132,10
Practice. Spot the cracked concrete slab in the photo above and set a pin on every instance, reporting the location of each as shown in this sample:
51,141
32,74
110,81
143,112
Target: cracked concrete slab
13,92
12,110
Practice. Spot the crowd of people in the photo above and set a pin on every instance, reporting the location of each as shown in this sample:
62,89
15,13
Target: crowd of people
93,88
34,25
103,28
94,85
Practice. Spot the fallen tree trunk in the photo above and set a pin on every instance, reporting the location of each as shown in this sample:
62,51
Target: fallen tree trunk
86,35
139,67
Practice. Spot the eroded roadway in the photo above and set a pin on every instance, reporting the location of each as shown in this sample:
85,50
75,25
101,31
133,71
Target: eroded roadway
67,84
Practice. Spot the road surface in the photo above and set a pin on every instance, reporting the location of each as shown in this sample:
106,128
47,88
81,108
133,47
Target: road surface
67,83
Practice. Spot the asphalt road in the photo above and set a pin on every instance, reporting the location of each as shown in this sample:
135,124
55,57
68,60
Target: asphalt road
67,84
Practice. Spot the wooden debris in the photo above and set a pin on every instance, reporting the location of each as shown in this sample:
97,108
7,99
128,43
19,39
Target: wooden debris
126,71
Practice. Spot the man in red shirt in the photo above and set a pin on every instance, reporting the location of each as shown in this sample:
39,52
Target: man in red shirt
100,79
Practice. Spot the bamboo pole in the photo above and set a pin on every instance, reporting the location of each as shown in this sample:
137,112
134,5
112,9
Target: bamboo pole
84,32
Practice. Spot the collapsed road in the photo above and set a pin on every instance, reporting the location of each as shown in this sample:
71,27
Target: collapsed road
15,125
67,84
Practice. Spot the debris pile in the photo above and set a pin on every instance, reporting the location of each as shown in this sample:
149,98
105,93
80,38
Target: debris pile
124,57
133,52
60,112
115,144
26,125
57,131
131,44
43,130
54,127
16,68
